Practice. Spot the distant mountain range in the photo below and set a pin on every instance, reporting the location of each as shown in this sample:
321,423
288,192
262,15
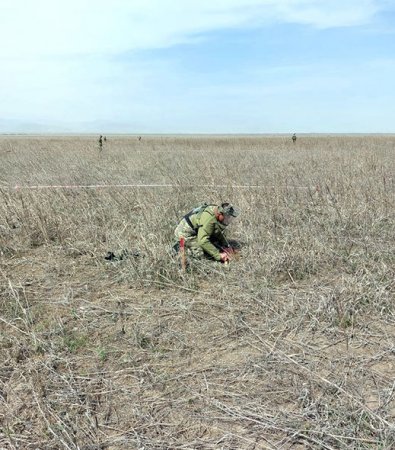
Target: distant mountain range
13,126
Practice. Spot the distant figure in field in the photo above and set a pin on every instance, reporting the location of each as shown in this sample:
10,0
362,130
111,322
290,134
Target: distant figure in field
294,138
139,138
105,139
101,142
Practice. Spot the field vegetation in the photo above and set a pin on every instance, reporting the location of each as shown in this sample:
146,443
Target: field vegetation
290,346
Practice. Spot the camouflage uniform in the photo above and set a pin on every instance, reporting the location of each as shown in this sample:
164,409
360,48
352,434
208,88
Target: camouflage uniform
210,235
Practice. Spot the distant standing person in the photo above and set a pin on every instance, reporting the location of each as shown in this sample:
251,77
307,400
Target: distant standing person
101,142
105,139
294,138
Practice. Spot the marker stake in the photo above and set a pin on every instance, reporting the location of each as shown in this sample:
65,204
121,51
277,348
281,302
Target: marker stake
183,256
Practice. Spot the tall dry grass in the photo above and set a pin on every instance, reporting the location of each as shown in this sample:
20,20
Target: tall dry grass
290,346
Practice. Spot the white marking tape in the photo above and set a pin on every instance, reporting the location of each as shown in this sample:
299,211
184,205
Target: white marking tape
99,186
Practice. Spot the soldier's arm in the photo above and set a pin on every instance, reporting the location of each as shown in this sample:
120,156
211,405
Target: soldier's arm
205,231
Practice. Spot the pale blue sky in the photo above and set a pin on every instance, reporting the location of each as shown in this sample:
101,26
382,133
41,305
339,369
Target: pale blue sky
179,66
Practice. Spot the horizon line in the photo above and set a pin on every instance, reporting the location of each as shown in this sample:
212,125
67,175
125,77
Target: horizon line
94,133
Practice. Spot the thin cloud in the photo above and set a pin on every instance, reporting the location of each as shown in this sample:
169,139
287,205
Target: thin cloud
44,27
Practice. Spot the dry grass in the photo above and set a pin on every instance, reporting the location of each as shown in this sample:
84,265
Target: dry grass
291,346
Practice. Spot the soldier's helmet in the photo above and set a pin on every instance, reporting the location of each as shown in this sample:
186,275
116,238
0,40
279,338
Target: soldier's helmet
228,210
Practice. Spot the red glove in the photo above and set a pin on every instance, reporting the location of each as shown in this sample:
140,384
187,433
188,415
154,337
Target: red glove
224,256
230,251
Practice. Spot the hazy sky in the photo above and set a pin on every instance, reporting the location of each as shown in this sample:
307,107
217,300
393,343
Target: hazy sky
187,66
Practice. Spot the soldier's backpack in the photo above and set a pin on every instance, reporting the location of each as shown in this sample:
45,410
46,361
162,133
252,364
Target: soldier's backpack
198,210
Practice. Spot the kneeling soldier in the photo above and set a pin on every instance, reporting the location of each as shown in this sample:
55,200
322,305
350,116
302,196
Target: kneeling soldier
203,230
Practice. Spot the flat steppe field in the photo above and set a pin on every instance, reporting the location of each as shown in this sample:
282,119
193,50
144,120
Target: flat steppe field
290,346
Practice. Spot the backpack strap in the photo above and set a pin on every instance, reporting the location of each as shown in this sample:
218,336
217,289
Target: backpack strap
191,213
188,221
